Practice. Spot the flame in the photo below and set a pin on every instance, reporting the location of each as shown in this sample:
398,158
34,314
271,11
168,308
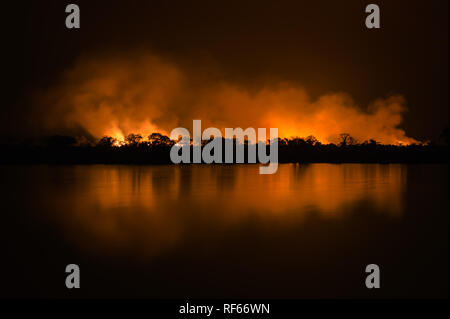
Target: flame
143,94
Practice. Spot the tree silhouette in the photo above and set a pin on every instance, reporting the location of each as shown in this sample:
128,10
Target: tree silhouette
311,140
133,139
346,140
107,141
157,139
67,149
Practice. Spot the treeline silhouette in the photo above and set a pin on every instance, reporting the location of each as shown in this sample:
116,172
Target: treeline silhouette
156,150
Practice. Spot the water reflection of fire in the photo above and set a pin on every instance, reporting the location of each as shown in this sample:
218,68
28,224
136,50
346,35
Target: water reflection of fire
152,208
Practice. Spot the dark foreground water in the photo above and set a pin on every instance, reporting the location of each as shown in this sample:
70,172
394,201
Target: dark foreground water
225,231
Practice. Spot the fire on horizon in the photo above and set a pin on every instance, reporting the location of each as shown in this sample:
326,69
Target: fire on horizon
304,67
143,94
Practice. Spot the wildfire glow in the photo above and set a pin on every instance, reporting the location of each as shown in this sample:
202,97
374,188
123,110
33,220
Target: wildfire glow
143,94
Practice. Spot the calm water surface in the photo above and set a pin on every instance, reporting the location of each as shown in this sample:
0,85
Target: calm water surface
225,231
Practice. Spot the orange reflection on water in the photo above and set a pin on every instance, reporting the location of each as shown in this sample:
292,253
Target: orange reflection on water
152,208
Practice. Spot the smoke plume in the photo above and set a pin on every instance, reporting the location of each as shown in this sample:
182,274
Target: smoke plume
139,93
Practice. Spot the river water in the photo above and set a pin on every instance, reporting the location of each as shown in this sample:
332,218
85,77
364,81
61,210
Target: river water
225,231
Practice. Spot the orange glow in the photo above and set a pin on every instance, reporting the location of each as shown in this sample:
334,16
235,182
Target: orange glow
148,209
143,94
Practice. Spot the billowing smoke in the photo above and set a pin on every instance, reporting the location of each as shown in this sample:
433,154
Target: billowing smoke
140,93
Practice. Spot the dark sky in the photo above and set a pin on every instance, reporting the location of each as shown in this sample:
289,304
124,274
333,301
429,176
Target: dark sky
323,45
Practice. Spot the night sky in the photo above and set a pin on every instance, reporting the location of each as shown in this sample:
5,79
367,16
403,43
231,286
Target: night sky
322,45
